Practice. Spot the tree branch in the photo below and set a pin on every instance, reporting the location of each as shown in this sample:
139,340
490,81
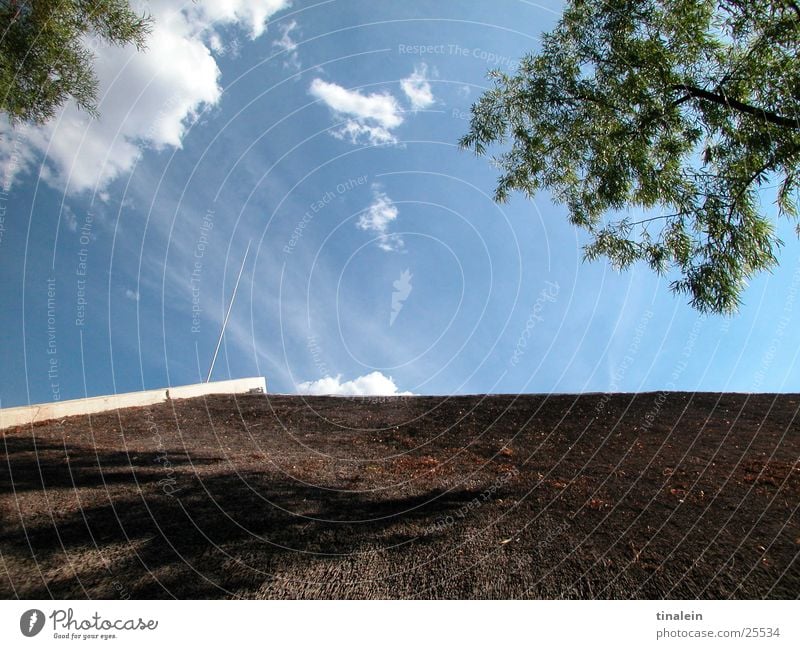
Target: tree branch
793,6
722,99
770,162
656,218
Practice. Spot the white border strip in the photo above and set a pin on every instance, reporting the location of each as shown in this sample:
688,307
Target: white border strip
26,415
402,625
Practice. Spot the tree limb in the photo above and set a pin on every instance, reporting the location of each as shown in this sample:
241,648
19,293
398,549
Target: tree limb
722,99
656,218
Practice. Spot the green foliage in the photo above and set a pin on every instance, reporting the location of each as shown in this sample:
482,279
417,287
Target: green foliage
44,57
684,111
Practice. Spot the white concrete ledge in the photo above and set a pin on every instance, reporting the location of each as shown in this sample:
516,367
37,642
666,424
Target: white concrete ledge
25,415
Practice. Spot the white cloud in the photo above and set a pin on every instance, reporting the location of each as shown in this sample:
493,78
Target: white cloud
391,242
69,218
146,99
381,107
417,88
15,151
373,384
368,118
379,214
287,44
216,44
132,295
252,14
356,132
378,217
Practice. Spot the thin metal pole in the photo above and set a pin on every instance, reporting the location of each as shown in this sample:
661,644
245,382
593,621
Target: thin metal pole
228,314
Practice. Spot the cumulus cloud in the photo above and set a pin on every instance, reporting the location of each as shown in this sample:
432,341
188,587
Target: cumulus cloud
251,14
287,44
146,99
418,89
378,217
367,118
373,384
380,107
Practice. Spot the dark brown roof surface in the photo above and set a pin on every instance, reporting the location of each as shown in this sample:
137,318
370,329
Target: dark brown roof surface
649,496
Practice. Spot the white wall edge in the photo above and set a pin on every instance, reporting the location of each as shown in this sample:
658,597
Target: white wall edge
26,415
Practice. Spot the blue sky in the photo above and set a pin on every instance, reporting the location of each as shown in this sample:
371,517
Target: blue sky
323,135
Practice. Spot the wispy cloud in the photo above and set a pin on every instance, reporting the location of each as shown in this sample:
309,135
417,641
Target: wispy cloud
69,219
367,118
391,242
379,214
373,384
418,89
402,289
132,295
287,44
358,132
378,217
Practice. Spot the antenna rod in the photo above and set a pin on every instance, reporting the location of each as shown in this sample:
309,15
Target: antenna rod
228,314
